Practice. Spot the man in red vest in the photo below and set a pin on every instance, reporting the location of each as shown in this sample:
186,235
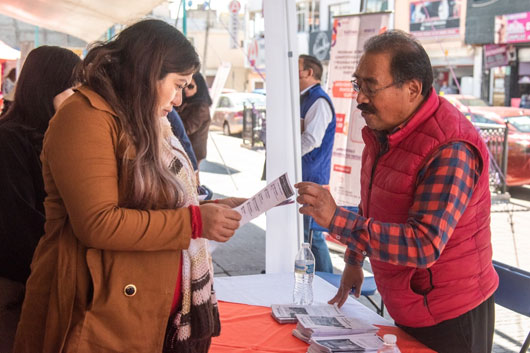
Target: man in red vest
424,216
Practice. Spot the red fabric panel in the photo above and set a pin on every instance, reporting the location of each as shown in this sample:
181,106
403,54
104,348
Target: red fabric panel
251,329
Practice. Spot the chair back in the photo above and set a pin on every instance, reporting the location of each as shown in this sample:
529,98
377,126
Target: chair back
514,288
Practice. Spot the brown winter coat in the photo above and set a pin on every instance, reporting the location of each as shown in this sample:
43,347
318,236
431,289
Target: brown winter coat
196,119
93,249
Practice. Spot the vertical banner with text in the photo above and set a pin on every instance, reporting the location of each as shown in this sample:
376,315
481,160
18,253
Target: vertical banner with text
347,40
234,8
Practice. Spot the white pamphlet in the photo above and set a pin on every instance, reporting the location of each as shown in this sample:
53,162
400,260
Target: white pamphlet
274,194
348,343
287,313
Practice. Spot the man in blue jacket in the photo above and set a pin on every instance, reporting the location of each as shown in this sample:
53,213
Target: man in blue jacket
318,133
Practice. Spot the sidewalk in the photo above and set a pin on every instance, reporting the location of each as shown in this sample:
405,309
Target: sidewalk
245,253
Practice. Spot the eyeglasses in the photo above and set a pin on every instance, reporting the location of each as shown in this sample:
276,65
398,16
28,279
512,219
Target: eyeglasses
190,86
367,91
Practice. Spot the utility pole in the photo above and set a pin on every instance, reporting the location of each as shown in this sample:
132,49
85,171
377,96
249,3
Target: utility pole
184,20
203,67
36,41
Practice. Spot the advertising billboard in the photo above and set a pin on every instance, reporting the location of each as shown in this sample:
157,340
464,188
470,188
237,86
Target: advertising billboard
513,28
439,18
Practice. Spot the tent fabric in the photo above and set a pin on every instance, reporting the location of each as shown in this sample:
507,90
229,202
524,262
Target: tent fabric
8,53
84,19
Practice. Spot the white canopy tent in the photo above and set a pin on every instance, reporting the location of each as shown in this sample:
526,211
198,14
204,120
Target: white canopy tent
8,53
85,19
284,225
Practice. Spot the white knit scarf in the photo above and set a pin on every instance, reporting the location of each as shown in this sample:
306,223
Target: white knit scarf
197,319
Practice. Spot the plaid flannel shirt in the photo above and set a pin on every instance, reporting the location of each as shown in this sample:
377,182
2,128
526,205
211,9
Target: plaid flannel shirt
445,186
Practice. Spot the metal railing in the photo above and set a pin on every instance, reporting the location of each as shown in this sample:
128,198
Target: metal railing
253,121
496,138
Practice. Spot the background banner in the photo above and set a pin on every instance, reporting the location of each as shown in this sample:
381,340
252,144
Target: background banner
347,41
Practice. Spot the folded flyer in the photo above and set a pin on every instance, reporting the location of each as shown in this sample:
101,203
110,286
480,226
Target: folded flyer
274,194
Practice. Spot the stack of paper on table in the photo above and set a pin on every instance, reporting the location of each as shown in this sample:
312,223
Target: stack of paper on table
350,343
286,314
310,326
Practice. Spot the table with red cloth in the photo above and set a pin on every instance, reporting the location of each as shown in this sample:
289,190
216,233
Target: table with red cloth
247,324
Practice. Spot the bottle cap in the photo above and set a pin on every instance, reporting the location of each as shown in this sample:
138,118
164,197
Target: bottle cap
305,245
390,339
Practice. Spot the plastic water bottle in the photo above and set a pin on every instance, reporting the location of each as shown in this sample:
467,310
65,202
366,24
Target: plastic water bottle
389,344
304,271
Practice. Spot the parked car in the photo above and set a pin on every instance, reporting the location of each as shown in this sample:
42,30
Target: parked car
461,102
228,114
518,119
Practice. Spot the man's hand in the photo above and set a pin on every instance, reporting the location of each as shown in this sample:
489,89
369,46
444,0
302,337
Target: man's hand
219,222
352,276
316,202
232,201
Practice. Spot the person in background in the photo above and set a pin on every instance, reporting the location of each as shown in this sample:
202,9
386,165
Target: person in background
318,134
8,89
180,132
446,89
424,217
45,81
195,114
525,101
123,265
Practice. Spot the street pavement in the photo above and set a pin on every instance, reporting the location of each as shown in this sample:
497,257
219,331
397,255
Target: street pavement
232,169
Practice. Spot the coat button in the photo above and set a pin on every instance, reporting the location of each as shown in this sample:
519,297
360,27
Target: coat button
129,290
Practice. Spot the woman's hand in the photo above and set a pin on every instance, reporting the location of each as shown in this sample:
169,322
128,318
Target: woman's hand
219,222
232,201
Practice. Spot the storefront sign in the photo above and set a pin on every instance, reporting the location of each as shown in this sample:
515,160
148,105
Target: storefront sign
514,28
347,40
439,18
495,55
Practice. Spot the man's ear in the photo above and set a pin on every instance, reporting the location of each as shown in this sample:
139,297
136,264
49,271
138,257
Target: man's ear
414,89
310,72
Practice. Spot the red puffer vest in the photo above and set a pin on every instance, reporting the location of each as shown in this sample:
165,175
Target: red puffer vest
463,276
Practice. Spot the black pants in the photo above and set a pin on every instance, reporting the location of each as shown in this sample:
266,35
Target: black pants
471,332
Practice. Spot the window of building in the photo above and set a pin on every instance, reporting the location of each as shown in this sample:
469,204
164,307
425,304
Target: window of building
374,5
308,15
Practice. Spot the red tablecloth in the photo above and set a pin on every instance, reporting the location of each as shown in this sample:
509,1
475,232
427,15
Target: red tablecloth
248,328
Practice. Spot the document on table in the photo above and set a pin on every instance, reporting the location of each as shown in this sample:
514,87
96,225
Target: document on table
274,194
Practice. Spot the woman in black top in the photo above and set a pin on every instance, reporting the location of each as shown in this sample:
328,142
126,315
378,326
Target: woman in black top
45,81
195,114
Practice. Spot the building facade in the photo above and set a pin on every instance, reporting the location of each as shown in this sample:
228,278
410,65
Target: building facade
502,29
440,26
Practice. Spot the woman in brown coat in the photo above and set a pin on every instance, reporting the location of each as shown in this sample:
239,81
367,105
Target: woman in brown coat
123,265
195,114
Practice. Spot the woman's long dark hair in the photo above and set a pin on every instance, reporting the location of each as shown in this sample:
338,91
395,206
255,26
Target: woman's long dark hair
202,94
47,71
125,72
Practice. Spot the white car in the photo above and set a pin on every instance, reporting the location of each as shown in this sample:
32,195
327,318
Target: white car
228,114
